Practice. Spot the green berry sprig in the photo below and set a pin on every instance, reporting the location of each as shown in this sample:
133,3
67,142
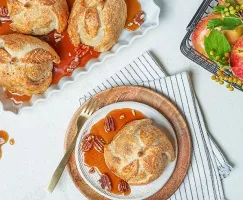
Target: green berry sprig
221,59
231,10
221,78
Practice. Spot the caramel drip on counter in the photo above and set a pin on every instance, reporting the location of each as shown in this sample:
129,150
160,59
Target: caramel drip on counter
95,159
3,140
12,141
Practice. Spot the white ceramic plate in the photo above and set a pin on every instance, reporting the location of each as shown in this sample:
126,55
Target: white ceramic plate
152,21
137,192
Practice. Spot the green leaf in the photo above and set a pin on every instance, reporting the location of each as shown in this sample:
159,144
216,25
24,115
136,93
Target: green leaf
217,42
228,23
213,23
219,8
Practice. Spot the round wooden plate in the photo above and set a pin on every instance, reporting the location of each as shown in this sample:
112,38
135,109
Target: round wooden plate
160,103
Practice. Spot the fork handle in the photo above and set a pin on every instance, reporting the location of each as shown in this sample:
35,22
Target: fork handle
60,168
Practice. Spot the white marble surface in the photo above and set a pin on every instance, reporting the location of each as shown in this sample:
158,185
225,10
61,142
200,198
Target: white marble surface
26,167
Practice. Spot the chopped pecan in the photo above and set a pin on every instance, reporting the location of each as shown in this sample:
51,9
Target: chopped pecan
123,186
3,11
130,24
122,116
74,63
81,50
110,124
92,170
105,182
99,144
87,143
139,18
5,20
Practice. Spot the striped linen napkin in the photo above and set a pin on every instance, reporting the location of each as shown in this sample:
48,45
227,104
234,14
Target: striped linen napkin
208,165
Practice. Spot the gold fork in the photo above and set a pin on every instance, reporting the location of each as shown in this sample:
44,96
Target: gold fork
86,112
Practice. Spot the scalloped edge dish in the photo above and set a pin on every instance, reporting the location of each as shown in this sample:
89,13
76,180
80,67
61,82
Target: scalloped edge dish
126,39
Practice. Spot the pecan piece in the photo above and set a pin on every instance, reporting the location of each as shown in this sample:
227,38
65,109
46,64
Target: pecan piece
3,11
99,144
110,124
92,170
139,18
87,143
81,50
123,186
105,182
122,116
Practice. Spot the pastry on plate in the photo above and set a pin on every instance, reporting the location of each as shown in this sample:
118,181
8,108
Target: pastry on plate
26,64
38,17
97,23
139,153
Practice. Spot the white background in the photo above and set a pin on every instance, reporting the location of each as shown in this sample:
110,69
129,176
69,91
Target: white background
26,167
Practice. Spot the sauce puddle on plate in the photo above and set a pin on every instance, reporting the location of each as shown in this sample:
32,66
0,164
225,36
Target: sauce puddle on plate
71,57
133,8
95,159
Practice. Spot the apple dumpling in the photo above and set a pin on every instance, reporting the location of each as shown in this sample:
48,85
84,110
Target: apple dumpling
38,17
97,23
139,153
26,64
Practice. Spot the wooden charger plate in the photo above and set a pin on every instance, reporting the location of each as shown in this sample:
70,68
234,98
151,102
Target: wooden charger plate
158,102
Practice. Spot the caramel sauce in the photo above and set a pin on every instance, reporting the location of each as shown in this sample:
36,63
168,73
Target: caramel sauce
17,99
3,140
12,141
65,48
67,53
133,7
95,159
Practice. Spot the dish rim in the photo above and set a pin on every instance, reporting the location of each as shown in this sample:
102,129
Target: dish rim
80,71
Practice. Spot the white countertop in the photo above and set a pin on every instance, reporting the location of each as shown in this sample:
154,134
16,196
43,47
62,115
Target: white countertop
26,167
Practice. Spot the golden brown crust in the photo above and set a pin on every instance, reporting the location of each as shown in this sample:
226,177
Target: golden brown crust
139,153
91,22
38,17
5,57
97,23
28,67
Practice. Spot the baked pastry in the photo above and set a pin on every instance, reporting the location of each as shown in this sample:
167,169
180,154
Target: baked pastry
97,23
139,153
38,17
26,64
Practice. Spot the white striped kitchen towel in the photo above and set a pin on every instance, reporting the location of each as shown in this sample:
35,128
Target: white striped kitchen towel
208,164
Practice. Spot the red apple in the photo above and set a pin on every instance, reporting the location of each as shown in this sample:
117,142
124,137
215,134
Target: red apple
236,59
201,31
